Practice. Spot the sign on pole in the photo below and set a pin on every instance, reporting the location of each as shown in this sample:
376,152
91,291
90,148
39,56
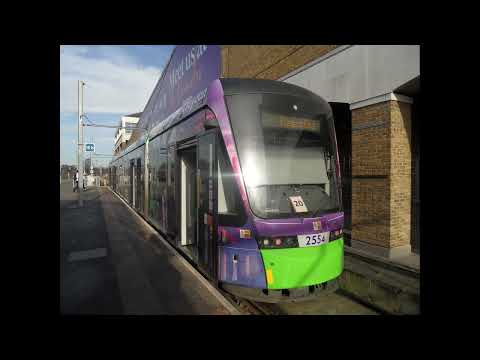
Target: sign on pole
90,147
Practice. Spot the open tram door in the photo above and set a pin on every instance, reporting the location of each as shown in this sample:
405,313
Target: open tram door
207,201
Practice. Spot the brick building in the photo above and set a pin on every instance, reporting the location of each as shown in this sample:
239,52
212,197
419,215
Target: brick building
375,93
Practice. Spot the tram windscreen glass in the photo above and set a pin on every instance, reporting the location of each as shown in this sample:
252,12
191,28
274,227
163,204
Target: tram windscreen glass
286,149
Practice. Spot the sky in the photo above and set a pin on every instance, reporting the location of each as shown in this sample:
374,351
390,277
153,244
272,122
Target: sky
119,80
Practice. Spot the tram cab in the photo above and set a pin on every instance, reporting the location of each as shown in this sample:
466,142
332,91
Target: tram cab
278,207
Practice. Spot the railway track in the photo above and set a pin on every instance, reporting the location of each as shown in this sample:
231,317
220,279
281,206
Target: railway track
334,304
248,307
337,302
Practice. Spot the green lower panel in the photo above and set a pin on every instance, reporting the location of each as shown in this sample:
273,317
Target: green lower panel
298,267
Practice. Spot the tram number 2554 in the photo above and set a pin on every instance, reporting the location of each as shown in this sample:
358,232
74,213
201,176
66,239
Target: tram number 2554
312,239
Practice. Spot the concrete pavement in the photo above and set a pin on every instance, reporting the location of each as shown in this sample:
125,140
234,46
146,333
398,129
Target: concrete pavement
111,264
87,286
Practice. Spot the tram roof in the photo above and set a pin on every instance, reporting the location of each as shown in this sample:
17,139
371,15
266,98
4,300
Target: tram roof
137,115
233,86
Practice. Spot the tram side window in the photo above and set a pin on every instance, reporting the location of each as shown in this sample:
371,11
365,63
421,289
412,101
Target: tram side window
162,185
171,169
230,208
154,183
162,170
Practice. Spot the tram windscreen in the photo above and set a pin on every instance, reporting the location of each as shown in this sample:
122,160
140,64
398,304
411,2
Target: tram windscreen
287,154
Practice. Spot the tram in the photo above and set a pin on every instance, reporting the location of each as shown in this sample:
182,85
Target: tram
247,187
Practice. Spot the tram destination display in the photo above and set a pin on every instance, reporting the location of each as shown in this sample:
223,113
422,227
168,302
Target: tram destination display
279,121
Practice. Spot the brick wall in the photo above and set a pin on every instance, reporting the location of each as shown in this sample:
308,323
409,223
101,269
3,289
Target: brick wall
268,61
381,174
370,170
400,173
370,145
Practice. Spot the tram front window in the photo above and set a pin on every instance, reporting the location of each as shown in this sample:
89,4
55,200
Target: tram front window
286,153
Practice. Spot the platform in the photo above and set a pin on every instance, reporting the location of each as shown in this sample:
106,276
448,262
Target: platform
111,262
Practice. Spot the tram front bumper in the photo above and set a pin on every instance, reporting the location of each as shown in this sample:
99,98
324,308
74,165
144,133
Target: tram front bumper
300,267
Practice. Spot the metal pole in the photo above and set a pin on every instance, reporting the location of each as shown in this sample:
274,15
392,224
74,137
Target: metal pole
78,127
91,161
83,138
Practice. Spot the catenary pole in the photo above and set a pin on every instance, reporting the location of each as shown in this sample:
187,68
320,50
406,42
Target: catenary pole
83,135
80,142
79,146
78,125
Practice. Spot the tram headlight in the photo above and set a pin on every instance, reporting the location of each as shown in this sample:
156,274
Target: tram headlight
278,242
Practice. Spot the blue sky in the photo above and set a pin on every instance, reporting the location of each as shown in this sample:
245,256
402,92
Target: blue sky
119,80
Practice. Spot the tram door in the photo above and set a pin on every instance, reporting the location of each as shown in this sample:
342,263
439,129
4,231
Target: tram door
188,198
207,201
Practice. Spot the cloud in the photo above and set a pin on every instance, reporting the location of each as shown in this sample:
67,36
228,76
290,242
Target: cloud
115,81
115,55
104,139
68,129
